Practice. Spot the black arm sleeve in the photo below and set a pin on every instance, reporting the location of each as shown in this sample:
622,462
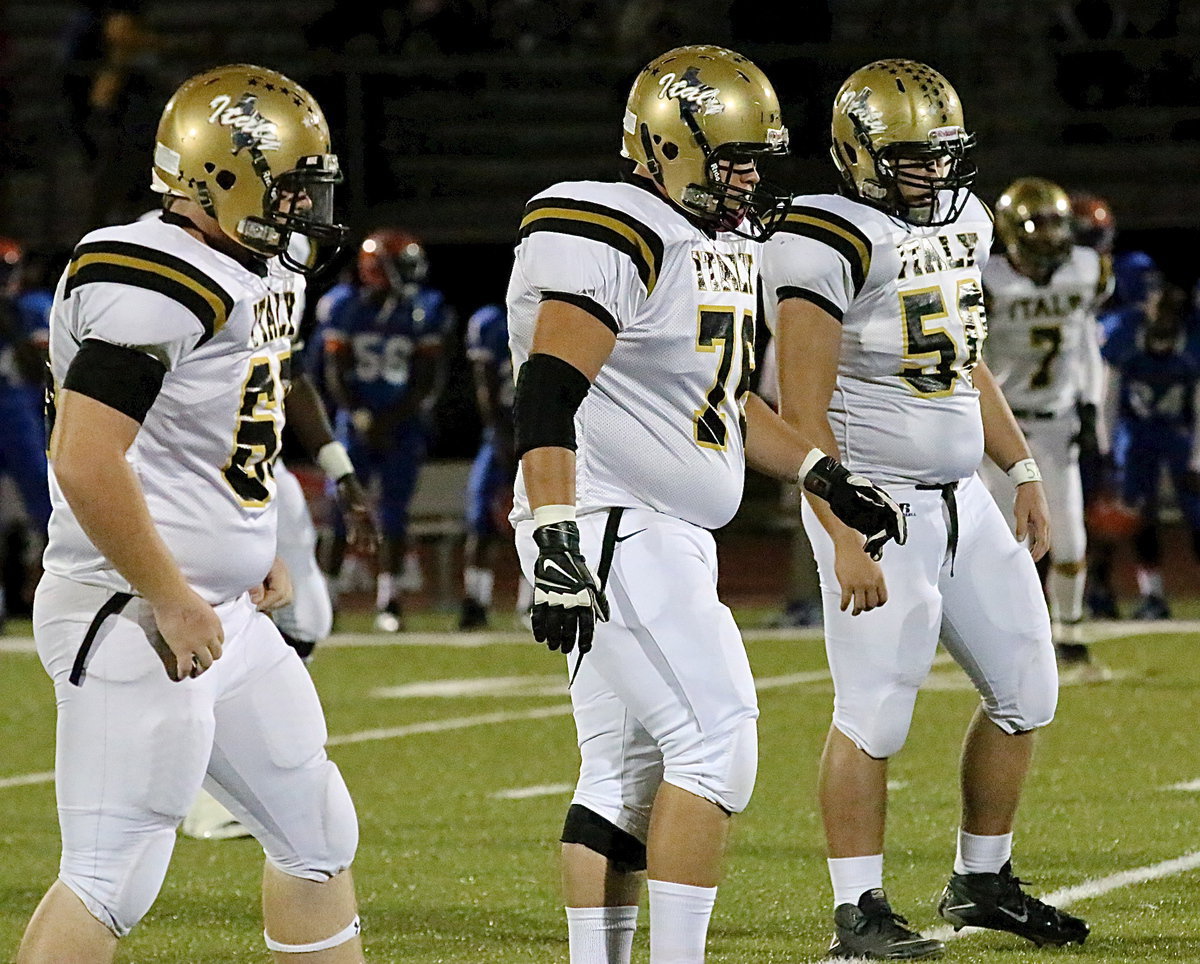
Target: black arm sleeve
549,390
122,378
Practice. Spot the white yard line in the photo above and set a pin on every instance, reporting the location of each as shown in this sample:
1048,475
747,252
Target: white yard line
1188,786
443,726
27,779
528,793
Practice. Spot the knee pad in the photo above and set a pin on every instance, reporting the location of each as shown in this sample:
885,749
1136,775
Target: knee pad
1034,699
329,846
624,851
882,730
720,767
119,886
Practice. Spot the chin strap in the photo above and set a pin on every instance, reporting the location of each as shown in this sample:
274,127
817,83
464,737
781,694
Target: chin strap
348,933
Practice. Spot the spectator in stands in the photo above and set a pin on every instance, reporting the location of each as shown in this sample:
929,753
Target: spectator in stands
24,337
113,104
1156,360
1089,73
384,338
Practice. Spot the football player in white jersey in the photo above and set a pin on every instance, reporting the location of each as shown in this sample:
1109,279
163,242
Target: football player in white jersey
169,347
631,320
876,301
1043,347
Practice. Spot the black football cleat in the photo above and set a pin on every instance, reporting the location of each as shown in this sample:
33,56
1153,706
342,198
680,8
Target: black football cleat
474,615
996,901
872,931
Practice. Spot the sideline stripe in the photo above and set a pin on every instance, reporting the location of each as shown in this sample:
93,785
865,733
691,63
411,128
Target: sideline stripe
1093,633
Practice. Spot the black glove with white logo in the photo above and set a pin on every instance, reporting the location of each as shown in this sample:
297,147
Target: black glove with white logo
859,503
566,600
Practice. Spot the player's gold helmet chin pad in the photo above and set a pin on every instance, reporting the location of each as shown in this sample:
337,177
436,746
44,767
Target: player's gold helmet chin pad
252,148
1033,222
692,114
892,117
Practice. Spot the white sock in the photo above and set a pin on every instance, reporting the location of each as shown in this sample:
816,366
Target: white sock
853,876
601,935
478,585
982,855
1066,596
679,916
385,588
1150,582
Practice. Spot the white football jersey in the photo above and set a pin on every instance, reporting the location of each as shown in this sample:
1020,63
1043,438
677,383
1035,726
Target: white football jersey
204,455
904,409
663,426
1043,344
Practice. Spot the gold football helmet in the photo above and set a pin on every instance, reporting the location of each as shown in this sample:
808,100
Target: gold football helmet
899,141
252,148
694,113
1034,223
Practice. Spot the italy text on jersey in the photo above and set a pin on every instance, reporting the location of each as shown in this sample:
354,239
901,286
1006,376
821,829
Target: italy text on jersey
663,425
205,453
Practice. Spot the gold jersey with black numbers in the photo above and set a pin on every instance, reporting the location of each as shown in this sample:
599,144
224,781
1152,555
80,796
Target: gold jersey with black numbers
1043,342
663,425
204,455
909,301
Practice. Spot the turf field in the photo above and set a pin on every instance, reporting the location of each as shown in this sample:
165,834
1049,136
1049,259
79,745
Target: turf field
459,756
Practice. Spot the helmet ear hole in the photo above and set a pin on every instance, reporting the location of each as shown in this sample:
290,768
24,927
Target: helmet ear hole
670,151
226,180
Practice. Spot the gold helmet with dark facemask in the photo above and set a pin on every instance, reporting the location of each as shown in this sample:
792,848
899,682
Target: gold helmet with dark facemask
695,113
1034,223
895,115
251,147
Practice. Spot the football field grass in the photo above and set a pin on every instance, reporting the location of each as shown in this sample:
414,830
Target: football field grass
460,757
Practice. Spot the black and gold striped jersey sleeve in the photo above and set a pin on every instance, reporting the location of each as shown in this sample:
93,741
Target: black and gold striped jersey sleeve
140,266
838,233
599,222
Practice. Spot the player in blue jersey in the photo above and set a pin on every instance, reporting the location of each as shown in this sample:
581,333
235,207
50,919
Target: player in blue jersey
383,339
24,336
1157,363
489,489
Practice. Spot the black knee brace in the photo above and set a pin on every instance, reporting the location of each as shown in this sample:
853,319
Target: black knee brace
624,851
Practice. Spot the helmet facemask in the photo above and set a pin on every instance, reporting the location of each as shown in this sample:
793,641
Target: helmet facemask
299,201
754,212
915,194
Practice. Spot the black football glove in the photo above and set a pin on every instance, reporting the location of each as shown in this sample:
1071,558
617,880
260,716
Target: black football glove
566,600
1087,438
859,503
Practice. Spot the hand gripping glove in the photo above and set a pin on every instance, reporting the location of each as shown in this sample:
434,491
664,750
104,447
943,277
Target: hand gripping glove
859,503
566,600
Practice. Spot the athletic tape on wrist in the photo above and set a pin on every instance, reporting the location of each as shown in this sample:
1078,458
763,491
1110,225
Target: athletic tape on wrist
347,933
548,515
814,456
335,461
1024,471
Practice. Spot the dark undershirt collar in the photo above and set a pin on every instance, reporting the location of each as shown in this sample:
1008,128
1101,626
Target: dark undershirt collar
252,264
646,184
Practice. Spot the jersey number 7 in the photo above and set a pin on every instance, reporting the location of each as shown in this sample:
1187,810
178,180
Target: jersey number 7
717,332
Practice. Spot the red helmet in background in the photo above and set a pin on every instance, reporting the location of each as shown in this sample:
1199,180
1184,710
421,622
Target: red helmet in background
391,258
1095,226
